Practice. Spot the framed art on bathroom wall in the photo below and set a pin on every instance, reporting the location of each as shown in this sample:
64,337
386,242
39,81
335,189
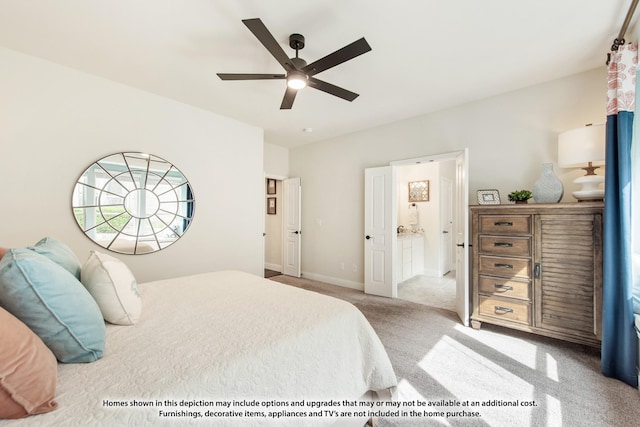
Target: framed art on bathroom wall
419,191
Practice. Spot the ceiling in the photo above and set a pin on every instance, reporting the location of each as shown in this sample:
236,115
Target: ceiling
427,55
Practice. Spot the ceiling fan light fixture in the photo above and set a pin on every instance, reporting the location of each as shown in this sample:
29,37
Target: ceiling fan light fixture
296,80
299,74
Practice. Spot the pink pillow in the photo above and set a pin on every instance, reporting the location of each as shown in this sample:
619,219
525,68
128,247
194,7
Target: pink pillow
3,251
28,371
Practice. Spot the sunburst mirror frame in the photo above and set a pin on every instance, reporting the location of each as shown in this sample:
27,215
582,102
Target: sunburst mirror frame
133,203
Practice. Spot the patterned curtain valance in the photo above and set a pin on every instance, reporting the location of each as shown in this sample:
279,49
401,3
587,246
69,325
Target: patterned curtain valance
622,79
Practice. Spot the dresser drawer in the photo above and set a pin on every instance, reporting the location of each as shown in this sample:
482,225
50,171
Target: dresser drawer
505,267
506,309
505,245
505,287
505,224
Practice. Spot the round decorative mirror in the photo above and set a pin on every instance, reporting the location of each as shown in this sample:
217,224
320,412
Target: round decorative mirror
133,203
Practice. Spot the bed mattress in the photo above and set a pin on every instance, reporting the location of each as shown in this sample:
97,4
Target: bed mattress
218,337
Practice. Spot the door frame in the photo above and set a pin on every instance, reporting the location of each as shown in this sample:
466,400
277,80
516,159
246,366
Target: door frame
463,242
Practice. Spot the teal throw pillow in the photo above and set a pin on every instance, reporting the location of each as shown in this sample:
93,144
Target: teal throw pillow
53,304
59,253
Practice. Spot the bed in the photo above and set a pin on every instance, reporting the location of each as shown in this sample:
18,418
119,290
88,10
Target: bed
220,338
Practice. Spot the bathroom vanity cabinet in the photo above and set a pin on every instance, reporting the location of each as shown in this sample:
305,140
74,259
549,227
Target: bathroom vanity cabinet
410,258
538,268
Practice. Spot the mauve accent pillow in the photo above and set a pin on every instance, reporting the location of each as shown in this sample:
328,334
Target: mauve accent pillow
59,253
113,286
3,251
53,304
28,371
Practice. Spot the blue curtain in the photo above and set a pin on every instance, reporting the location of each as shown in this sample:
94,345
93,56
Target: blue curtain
619,340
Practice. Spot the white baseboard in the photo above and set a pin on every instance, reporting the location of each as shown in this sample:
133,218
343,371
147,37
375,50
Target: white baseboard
334,280
274,267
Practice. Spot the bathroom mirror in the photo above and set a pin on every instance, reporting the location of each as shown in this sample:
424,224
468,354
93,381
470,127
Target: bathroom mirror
133,203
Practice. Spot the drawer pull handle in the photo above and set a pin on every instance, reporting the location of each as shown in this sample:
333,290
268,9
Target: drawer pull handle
503,287
503,245
536,271
499,265
504,309
503,224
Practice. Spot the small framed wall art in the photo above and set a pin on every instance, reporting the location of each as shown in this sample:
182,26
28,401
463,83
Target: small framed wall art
271,186
419,191
271,205
488,197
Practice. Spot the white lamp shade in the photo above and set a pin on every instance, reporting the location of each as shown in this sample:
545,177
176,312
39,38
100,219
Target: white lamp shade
578,147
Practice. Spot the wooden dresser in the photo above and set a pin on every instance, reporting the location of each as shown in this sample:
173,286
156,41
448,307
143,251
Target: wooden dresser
538,268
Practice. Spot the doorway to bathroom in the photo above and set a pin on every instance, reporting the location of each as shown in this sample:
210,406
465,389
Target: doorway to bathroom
424,268
381,251
381,227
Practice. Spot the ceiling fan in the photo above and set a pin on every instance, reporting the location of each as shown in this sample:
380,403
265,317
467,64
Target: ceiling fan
298,73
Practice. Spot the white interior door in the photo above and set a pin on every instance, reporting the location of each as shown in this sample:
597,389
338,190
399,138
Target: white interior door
379,235
462,236
446,225
291,193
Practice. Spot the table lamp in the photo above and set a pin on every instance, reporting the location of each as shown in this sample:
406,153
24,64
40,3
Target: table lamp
584,148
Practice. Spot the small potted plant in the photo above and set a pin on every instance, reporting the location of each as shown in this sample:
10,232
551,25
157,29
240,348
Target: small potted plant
520,196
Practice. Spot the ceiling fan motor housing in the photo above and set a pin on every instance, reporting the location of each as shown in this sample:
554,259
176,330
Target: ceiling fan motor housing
296,41
298,62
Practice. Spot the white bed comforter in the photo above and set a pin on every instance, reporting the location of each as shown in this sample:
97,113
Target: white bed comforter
222,336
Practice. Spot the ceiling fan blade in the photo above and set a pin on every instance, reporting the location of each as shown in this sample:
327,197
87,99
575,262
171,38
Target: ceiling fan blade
348,52
331,89
289,97
230,76
261,32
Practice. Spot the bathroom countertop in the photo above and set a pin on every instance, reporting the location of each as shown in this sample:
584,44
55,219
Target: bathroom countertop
406,234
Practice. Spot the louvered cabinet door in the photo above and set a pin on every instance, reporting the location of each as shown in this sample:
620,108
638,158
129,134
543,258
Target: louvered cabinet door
568,274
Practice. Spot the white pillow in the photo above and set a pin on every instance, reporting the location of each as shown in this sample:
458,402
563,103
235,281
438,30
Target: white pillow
114,288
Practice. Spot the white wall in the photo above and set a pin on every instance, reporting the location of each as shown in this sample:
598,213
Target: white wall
508,136
55,121
276,161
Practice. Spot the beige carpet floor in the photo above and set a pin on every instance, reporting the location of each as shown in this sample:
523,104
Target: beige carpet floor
438,360
433,291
